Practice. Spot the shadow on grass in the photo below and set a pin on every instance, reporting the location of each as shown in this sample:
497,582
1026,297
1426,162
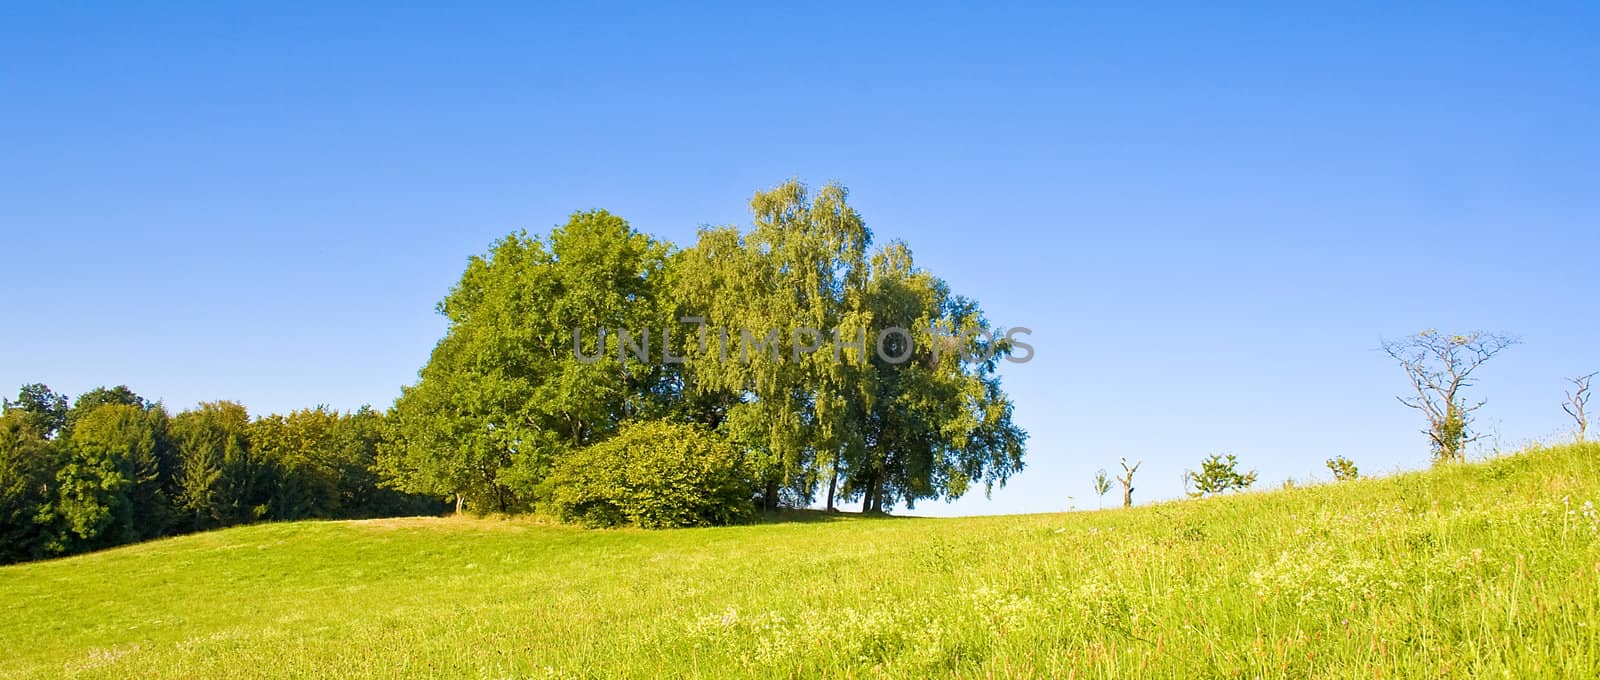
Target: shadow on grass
811,516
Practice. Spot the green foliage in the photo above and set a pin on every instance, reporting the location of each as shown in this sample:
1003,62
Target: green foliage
1450,435
324,462
111,486
506,396
118,469
802,265
28,464
45,411
503,396
884,431
1217,475
312,458
97,397
937,422
1102,484
555,347
654,474
221,481
1343,469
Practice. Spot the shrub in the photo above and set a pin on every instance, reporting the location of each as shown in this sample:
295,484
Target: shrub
1217,475
1343,469
654,474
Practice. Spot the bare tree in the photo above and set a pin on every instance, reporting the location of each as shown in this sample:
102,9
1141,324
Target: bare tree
1102,484
1126,480
1439,367
1577,399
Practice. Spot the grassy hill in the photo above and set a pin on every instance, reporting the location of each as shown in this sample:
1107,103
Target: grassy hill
1489,569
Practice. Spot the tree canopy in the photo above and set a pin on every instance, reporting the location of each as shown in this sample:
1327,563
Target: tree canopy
116,468
595,372
824,362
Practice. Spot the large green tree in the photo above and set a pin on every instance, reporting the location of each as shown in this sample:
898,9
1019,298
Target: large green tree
43,408
771,338
308,458
781,309
221,481
505,394
836,366
97,397
936,419
28,465
111,488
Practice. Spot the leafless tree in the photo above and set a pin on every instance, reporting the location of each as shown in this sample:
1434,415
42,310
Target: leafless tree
1577,399
1126,480
1440,367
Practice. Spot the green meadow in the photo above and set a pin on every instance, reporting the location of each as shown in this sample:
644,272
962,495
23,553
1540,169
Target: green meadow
1487,569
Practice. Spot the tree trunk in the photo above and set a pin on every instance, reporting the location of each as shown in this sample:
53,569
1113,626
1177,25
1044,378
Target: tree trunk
1127,496
771,496
460,503
833,485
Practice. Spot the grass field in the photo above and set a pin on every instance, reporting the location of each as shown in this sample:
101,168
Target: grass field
1489,569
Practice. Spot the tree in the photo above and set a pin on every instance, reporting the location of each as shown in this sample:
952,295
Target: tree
1343,469
655,474
361,435
101,396
325,465
1126,480
1576,402
308,459
118,469
785,363
552,347
112,487
1217,475
221,481
28,467
1440,367
45,411
507,392
937,420
799,412
1102,484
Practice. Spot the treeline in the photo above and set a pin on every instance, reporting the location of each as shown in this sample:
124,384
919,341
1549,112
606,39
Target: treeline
599,375
114,468
607,376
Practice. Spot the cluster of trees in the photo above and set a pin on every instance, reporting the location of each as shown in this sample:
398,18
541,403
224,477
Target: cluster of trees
1440,368
761,349
113,468
1218,474
529,403
1102,482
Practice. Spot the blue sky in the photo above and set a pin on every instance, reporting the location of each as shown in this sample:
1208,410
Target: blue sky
1209,220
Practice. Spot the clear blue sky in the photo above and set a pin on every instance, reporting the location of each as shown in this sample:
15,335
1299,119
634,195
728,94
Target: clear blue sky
1210,221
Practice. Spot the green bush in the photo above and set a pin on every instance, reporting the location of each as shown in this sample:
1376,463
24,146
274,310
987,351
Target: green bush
656,475
1343,469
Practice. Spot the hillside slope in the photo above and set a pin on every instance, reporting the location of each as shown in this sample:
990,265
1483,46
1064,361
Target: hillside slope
1482,569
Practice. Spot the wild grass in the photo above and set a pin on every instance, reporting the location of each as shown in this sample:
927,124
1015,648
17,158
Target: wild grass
1487,569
